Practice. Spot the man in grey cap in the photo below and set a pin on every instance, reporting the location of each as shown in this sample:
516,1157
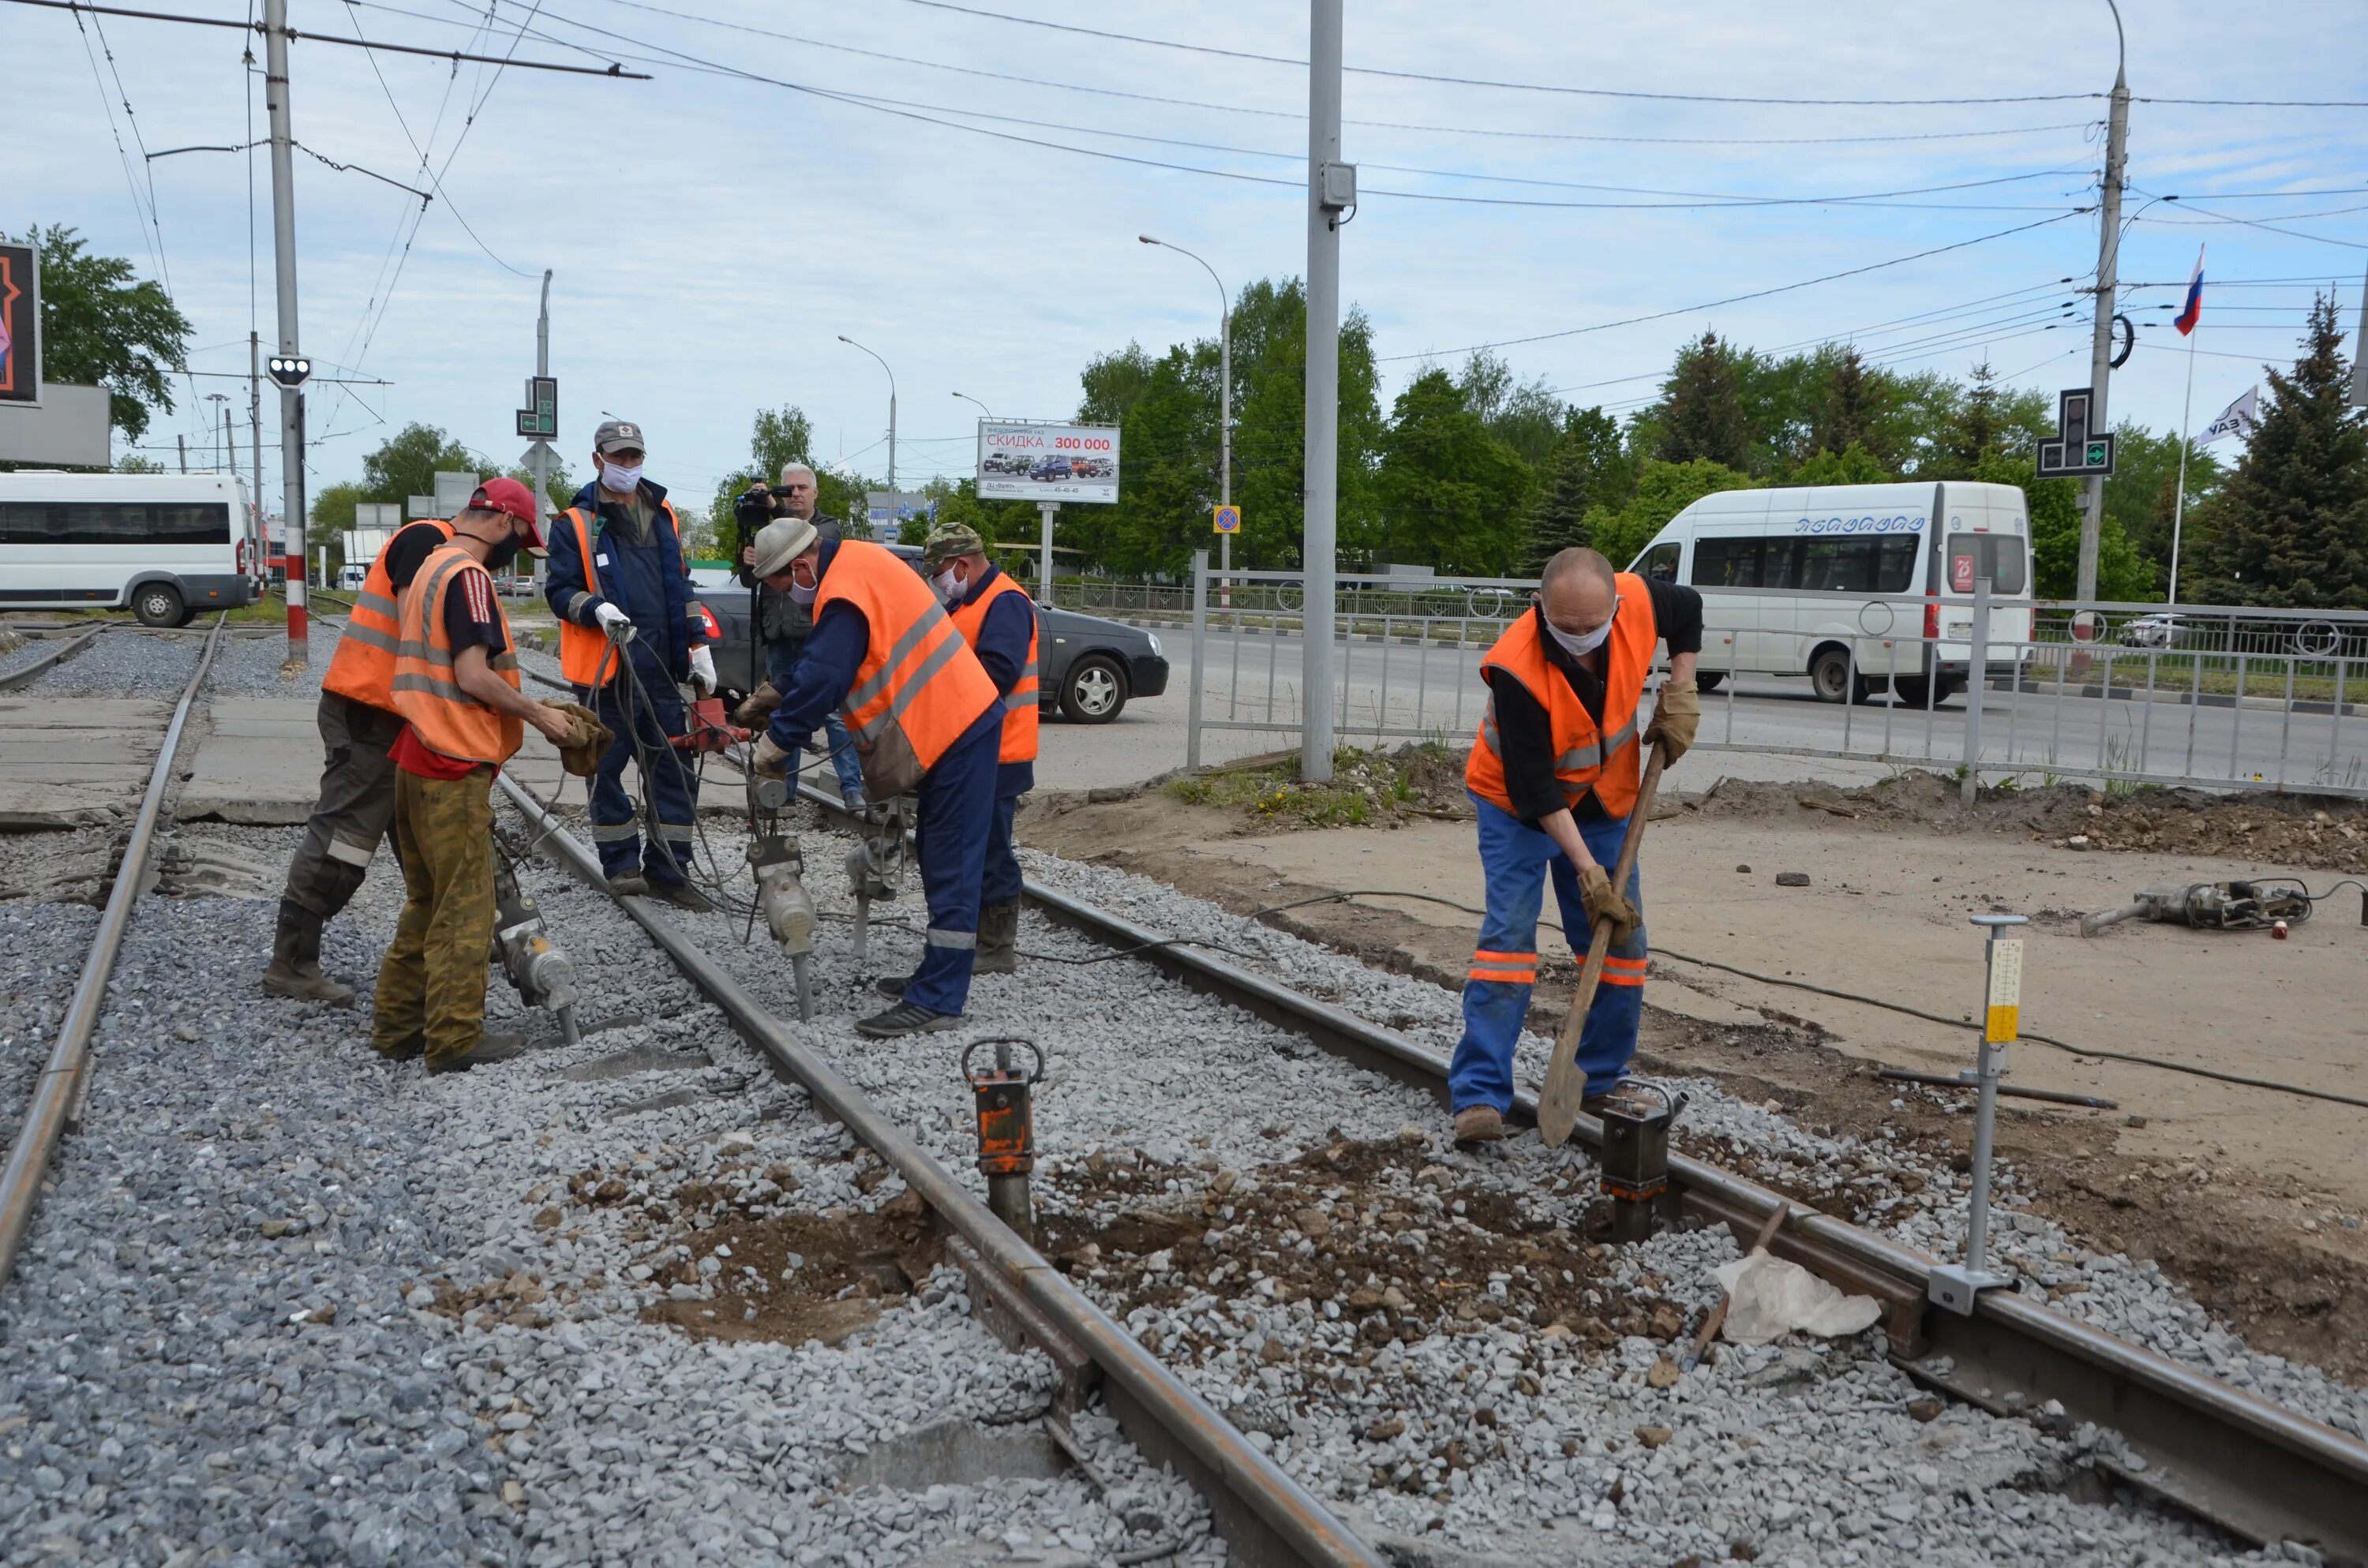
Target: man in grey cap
783,625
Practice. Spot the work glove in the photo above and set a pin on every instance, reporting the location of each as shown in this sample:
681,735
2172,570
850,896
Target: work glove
756,707
616,623
1676,717
772,761
1602,904
587,739
703,670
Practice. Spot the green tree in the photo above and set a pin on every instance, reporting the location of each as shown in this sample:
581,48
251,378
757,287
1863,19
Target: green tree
1702,415
1850,412
1854,465
332,506
1525,415
133,462
1663,490
1452,493
2143,494
2290,524
1113,384
2054,506
559,486
1587,469
408,464
100,329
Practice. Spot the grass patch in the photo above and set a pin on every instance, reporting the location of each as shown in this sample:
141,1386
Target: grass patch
1375,788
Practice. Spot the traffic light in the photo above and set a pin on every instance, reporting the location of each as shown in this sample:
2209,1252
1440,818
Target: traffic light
289,371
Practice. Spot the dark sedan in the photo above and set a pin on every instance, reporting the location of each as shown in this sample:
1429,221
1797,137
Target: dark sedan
1088,668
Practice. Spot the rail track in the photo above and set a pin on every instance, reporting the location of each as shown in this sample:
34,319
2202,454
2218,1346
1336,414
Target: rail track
2264,1473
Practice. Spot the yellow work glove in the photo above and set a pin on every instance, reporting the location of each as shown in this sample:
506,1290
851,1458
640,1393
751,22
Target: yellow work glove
1675,719
756,707
587,739
1602,904
772,761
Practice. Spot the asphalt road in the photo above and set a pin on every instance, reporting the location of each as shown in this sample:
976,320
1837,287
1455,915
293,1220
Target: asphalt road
1436,691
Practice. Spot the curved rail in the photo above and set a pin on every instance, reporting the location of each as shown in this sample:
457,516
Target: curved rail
49,661
1268,1520
60,1081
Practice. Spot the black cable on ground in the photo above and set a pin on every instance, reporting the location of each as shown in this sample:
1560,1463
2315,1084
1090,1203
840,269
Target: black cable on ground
2130,1057
1111,957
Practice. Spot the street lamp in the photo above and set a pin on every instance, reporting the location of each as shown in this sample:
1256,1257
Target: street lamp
891,408
982,407
1225,396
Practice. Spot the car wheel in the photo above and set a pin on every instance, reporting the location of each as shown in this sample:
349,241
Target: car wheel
1709,680
1094,692
157,603
1830,676
1912,691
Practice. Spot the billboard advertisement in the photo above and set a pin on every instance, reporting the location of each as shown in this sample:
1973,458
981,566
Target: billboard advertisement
20,324
1047,463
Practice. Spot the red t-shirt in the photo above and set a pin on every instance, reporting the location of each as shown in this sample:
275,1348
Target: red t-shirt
472,619
415,756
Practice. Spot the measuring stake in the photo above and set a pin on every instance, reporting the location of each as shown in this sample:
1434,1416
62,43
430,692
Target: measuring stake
1954,1286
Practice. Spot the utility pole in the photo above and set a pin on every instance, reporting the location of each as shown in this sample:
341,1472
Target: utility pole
283,248
183,442
2101,336
1331,189
229,452
539,455
254,433
891,410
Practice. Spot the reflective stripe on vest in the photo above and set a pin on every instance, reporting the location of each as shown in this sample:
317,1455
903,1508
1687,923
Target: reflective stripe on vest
918,686
583,648
363,666
449,719
1020,702
1587,759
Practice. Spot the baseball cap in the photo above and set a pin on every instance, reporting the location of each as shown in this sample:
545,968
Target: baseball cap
782,541
618,435
514,499
951,543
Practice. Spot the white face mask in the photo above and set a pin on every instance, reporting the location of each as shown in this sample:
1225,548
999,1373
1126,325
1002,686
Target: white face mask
802,594
619,478
949,587
1579,646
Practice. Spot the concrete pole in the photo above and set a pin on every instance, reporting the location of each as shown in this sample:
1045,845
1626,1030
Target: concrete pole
183,442
1044,562
1318,538
2100,336
892,434
283,250
541,465
255,437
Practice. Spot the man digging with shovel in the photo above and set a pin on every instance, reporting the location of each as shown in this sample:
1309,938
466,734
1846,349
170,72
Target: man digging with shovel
1554,777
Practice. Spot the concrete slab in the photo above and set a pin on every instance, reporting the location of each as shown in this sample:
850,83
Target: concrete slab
68,762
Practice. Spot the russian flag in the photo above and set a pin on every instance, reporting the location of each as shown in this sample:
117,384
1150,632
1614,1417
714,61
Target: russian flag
2191,311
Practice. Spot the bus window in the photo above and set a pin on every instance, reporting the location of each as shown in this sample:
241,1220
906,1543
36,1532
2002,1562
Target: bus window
1661,562
1864,565
113,522
1727,562
1999,557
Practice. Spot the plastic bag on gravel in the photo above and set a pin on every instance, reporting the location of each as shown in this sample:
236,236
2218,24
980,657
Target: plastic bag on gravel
1772,1298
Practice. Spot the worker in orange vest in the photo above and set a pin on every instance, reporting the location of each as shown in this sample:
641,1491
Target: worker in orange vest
925,720
998,618
1553,779
455,685
358,724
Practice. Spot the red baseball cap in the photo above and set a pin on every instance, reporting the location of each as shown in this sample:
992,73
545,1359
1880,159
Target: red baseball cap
507,495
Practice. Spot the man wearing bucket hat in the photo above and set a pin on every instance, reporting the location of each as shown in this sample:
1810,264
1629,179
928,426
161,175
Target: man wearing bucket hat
997,620
925,720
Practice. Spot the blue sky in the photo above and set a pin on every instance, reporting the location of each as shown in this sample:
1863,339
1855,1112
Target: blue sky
712,235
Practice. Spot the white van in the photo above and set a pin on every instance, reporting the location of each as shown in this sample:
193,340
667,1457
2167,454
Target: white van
165,546
1823,541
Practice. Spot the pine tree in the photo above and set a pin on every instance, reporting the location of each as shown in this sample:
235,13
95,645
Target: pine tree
1587,469
1978,426
1701,410
2292,522
1846,417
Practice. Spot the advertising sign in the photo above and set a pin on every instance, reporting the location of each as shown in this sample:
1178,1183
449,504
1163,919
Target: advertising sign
20,324
1047,463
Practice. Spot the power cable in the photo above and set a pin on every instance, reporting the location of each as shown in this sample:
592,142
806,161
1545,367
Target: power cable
2271,228
1481,81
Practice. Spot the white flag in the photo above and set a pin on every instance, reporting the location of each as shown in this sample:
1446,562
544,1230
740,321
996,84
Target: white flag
2239,418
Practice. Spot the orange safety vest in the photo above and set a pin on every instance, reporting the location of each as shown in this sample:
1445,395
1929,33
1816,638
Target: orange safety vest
363,666
919,686
1020,702
449,719
582,648
1607,761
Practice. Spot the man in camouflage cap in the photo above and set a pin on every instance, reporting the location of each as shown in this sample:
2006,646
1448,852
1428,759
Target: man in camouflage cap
997,620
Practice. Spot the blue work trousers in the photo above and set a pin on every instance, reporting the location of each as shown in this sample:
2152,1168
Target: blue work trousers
1001,884
665,773
956,803
1505,964
781,669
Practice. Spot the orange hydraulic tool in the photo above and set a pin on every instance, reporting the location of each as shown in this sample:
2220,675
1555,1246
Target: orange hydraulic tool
710,729
1007,1130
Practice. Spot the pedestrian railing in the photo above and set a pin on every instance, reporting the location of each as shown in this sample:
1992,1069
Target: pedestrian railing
1986,688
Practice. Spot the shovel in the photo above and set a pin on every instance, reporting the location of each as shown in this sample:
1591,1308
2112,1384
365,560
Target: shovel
1566,1085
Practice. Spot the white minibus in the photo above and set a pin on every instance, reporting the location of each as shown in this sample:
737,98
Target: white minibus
1822,542
165,546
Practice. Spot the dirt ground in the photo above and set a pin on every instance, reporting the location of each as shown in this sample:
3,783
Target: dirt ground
2253,1198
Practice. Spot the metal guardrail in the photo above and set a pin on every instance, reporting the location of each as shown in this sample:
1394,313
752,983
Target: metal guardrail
2211,696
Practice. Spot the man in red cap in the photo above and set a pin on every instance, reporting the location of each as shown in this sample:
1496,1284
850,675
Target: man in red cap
455,685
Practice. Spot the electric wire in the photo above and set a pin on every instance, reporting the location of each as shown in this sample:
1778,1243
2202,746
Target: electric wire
2269,227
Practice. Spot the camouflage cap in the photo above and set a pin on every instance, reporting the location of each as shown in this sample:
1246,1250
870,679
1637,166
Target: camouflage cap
952,542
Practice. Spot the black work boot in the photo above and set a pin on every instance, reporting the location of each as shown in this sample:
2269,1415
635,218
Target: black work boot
998,938
295,967
490,1048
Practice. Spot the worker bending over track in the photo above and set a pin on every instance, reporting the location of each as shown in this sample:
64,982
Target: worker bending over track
998,618
456,683
925,720
358,721
1553,776
628,632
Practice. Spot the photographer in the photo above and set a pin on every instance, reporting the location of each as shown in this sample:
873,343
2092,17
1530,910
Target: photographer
778,623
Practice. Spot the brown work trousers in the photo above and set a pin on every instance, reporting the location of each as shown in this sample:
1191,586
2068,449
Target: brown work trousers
431,982
356,806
